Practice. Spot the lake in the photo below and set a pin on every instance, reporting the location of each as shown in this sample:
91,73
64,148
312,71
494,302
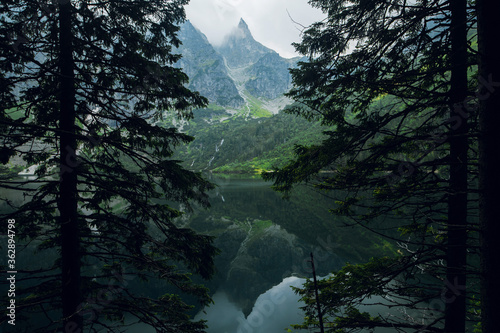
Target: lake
265,244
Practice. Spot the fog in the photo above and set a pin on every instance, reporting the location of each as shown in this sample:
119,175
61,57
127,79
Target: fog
270,21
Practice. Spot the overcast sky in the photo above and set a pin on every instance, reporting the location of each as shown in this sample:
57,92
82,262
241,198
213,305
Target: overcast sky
268,20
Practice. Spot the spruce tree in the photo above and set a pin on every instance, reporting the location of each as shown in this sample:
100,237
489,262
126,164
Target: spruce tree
87,88
390,79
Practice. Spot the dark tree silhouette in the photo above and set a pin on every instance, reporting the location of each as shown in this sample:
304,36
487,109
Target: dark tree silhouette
391,80
85,87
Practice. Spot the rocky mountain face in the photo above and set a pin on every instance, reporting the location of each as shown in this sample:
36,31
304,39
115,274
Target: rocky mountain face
241,130
240,75
269,76
206,69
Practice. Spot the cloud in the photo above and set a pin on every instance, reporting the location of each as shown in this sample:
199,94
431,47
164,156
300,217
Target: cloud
268,20
273,311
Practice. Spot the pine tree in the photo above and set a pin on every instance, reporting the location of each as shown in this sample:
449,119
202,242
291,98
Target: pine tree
86,89
390,79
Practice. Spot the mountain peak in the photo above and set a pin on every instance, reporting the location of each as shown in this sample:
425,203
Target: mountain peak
241,31
189,33
240,49
243,24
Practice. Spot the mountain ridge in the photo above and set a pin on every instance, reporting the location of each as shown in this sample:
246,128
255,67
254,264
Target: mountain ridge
206,68
242,129
241,75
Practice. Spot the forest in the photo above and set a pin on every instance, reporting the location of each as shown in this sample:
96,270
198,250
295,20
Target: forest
393,117
421,85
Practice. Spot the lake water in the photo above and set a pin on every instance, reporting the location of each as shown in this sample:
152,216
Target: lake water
265,244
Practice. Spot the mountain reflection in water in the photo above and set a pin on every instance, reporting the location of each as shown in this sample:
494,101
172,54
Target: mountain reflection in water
265,242
273,311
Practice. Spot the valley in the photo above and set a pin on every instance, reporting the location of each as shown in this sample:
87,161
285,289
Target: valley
243,129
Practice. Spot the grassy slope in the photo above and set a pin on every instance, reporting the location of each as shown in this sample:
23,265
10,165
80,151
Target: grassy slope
241,144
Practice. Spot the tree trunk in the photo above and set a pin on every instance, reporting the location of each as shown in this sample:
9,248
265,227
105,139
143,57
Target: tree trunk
68,200
455,310
316,295
489,175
